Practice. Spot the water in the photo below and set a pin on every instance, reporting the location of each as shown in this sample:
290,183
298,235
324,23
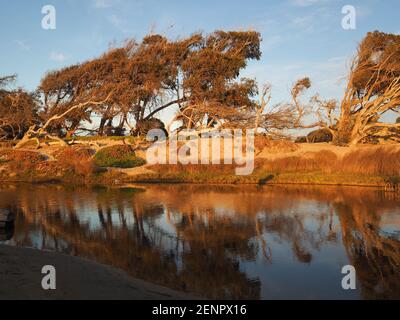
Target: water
221,242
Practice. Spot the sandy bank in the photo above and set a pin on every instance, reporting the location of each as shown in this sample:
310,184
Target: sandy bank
20,278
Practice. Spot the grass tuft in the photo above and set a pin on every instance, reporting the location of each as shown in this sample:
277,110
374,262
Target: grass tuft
118,157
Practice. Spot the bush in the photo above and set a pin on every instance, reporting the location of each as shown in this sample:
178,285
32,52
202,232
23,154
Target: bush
145,126
318,136
301,140
77,159
21,161
118,157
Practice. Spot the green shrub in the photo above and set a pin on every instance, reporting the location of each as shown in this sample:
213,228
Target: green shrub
118,157
319,136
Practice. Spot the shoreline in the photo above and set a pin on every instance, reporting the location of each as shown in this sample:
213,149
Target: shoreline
168,181
77,279
276,163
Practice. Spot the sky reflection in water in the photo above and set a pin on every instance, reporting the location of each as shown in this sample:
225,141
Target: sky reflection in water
224,242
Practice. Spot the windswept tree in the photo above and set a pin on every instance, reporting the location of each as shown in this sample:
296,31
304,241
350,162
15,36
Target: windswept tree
142,76
18,110
211,83
69,97
280,119
84,85
373,91
197,75
155,69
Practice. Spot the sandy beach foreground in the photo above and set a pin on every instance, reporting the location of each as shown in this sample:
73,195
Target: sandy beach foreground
21,277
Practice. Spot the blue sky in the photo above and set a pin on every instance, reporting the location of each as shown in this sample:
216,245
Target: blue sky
300,37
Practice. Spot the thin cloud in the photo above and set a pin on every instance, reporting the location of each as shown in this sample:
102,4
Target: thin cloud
23,45
103,4
118,22
328,77
319,19
362,11
272,41
58,57
305,3
305,22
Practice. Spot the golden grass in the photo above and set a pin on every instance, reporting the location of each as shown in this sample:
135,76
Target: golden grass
378,161
381,161
20,161
262,143
77,159
366,166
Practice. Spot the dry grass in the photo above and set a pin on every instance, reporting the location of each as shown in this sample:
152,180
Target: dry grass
362,166
77,159
379,161
191,168
72,165
263,143
20,161
323,160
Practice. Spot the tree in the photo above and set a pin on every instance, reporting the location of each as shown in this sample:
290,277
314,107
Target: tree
77,85
279,119
156,80
197,74
18,110
211,87
42,131
373,91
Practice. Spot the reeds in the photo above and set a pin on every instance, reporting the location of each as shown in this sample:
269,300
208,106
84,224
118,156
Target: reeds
78,160
373,161
379,161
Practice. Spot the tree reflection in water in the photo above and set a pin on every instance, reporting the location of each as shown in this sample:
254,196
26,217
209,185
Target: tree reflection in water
203,238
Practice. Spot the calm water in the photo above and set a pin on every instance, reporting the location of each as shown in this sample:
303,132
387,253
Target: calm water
221,242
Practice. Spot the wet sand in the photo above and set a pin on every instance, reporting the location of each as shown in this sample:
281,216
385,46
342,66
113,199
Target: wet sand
77,279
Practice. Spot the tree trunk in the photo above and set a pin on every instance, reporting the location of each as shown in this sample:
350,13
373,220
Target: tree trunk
344,127
101,127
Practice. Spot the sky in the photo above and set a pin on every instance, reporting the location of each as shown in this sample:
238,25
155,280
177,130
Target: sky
300,37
